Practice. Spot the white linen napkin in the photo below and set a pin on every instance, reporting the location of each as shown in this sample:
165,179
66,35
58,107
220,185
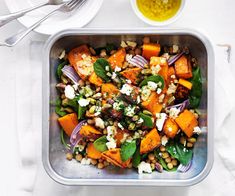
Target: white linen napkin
28,96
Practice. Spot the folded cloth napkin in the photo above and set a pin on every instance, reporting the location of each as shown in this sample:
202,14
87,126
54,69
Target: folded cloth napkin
28,94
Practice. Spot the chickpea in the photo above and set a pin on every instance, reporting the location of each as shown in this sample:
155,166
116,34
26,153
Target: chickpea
151,157
137,51
192,140
162,148
170,165
106,163
81,83
100,160
69,156
174,162
94,161
152,166
146,40
91,121
100,165
87,83
78,157
154,161
168,160
129,165
189,145
183,141
165,155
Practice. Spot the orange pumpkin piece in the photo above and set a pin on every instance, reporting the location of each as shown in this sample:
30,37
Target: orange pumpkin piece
187,121
96,80
171,72
118,58
82,61
183,68
110,89
185,83
114,156
89,131
132,74
155,61
92,152
150,141
150,50
170,128
119,136
152,104
68,123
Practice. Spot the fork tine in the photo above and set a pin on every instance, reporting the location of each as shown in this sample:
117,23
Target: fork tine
79,3
71,2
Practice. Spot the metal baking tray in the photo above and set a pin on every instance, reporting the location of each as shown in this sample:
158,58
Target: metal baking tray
72,172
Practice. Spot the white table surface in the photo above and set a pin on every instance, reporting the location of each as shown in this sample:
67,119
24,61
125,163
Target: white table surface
215,18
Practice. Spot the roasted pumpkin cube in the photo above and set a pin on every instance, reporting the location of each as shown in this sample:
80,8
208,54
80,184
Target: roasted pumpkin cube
150,50
185,83
152,104
68,123
89,131
162,62
96,80
132,74
150,141
114,156
109,89
170,128
118,58
92,152
187,121
183,68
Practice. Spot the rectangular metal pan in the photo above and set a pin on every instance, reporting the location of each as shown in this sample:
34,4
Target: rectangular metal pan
71,172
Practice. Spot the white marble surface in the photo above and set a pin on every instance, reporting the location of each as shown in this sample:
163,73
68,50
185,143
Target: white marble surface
20,104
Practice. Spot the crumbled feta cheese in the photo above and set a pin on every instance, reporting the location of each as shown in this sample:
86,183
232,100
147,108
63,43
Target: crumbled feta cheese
161,117
125,135
111,144
111,131
175,48
126,89
155,69
173,76
144,167
197,130
128,57
152,85
84,56
140,121
159,91
99,123
171,89
136,135
83,102
138,99
120,126
129,139
145,93
117,69
109,74
69,92
128,81
62,55
114,75
129,111
106,68
164,140
131,44
166,55
161,98
80,147
118,105
123,44
85,161
174,112
75,86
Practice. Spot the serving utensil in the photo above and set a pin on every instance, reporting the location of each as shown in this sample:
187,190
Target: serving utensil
9,17
65,8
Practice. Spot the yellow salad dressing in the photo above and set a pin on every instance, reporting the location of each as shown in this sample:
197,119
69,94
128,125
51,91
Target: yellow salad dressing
159,10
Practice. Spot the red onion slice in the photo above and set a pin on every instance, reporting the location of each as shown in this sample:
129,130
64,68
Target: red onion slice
76,136
70,73
174,58
184,168
138,61
180,106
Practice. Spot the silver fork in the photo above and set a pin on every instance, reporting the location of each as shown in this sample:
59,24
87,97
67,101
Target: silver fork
67,7
9,17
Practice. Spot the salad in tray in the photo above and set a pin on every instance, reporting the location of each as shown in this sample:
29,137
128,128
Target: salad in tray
130,106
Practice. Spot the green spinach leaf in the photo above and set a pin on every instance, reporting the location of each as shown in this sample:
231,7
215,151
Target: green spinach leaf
59,69
100,144
127,150
58,109
100,69
147,120
136,158
155,79
196,92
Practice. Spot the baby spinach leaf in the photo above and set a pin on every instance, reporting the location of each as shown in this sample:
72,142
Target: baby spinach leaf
100,144
127,150
196,92
180,153
147,120
58,109
136,158
99,68
155,79
59,69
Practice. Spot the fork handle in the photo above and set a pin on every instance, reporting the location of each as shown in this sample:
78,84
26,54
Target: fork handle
13,40
9,17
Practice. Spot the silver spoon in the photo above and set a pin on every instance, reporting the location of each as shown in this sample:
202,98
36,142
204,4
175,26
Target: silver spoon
9,17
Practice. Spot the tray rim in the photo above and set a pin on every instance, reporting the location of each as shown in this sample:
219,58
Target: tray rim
127,182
